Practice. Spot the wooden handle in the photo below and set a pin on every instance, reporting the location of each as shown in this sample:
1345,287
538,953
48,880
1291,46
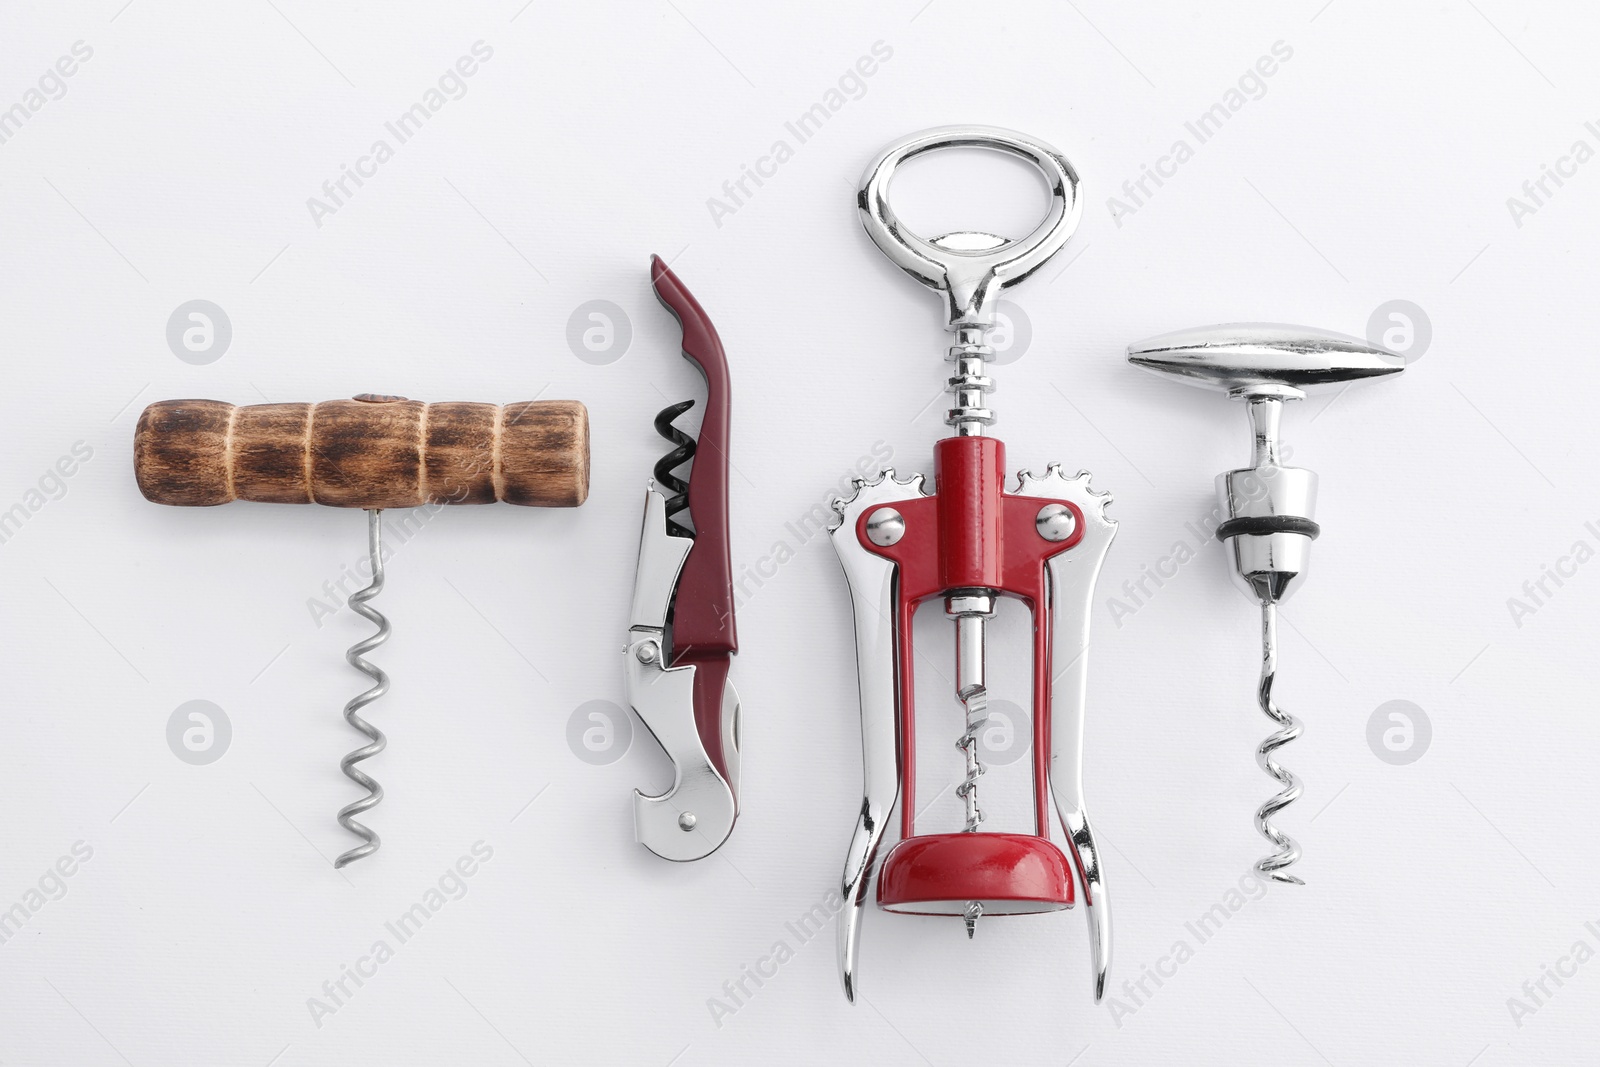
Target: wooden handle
370,452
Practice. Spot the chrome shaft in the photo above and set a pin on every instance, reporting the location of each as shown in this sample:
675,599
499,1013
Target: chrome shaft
970,613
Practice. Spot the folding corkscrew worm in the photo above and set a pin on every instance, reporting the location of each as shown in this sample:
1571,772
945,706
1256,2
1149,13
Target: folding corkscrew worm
971,542
1266,508
681,636
373,452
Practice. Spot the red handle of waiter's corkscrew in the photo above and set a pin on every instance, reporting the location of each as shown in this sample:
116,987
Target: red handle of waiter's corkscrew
703,631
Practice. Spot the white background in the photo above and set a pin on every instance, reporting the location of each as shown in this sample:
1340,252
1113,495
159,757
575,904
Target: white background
1375,165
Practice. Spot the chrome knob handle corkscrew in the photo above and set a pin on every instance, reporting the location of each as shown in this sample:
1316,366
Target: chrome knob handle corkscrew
1267,508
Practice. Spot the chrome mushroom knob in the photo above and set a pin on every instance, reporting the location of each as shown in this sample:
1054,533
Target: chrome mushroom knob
1267,508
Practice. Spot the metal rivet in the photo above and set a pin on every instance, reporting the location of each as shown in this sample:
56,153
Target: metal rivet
885,527
1056,522
646,653
686,821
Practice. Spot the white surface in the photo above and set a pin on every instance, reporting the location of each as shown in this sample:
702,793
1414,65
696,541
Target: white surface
1375,166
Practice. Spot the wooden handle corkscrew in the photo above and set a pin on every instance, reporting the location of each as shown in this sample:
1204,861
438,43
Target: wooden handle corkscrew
370,452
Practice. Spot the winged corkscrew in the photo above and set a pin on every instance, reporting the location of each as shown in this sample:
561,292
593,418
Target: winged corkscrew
969,543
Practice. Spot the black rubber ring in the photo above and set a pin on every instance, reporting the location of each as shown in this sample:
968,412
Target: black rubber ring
1268,524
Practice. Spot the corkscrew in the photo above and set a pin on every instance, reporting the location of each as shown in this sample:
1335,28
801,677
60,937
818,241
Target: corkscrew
375,453
972,542
683,450
1267,508
361,603
681,634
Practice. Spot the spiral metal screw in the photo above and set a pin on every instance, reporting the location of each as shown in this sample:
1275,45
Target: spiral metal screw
1288,851
359,603
976,703
682,452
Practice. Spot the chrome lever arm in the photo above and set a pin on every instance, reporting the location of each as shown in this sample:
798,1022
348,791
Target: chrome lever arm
873,595
1072,579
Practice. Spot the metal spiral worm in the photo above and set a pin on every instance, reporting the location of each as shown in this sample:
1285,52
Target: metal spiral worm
976,702
682,453
359,603
1288,851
